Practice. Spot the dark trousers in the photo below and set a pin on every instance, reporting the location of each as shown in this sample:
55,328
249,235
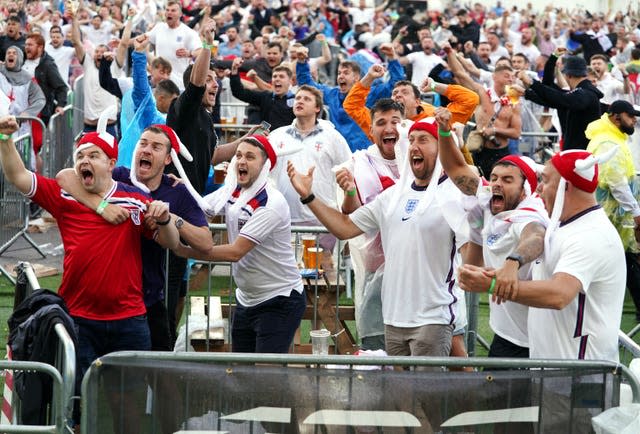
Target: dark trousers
269,326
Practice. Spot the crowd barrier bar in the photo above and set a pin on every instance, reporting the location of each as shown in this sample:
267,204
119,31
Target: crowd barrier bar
58,150
15,206
65,361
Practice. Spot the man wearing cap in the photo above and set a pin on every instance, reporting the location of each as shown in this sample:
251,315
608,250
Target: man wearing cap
102,278
507,221
576,108
422,210
270,297
618,186
158,146
577,293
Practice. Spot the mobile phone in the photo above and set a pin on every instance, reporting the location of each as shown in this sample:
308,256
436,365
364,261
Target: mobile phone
263,128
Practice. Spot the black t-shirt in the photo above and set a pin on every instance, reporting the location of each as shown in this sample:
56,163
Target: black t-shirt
194,126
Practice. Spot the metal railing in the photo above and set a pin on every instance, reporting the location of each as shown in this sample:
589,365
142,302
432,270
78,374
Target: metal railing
14,218
289,393
58,149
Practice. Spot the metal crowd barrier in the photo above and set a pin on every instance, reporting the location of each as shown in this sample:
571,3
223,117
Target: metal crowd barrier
63,373
14,218
256,393
57,153
78,106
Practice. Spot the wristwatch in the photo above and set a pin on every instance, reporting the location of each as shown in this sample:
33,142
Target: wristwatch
179,222
514,257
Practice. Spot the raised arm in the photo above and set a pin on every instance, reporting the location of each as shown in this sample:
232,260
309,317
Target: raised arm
337,223
201,65
451,157
123,45
354,103
12,165
76,38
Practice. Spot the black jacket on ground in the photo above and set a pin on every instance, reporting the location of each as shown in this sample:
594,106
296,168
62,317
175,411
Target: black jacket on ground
32,337
278,111
576,108
52,85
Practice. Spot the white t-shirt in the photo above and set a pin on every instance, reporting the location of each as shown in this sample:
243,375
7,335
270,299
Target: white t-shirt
98,36
96,99
499,236
589,249
324,147
531,51
611,87
420,254
30,66
422,65
360,16
62,56
500,52
167,41
269,269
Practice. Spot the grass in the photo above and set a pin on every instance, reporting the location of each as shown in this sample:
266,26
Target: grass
220,286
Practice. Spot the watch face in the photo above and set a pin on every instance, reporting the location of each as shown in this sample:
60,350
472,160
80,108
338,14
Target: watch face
179,223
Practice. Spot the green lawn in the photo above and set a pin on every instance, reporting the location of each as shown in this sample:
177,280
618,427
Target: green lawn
220,286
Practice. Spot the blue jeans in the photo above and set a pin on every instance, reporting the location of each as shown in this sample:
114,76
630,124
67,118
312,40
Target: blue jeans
97,338
269,326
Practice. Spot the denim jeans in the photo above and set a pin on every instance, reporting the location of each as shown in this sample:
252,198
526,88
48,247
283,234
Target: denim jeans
269,326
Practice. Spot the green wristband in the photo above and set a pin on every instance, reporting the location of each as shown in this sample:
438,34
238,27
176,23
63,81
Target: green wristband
207,46
352,192
5,137
442,133
493,285
101,207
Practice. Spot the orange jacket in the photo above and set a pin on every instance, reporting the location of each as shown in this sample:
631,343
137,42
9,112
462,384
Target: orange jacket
462,103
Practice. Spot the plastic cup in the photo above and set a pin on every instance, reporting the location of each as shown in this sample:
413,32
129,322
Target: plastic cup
320,341
219,173
314,255
307,241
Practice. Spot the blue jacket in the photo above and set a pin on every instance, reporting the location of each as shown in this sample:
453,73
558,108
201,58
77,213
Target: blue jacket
333,99
138,110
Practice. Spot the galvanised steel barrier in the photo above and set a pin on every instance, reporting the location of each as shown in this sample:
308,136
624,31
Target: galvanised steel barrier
257,393
14,218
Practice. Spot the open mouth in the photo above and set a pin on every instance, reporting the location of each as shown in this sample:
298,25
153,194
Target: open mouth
144,164
389,140
417,160
87,176
242,173
497,201
277,88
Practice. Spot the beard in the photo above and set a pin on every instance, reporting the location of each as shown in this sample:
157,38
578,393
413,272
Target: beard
627,130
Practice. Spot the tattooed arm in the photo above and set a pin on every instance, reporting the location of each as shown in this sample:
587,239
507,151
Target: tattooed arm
452,159
530,247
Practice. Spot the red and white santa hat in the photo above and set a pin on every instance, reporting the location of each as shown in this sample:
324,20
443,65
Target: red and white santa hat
100,138
177,147
263,142
529,170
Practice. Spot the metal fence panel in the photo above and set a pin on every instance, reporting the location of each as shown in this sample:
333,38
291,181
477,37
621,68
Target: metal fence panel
58,150
286,393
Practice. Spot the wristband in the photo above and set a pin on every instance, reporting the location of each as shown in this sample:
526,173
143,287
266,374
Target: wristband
101,207
352,192
433,86
442,133
493,285
207,46
308,199
5,137
164,223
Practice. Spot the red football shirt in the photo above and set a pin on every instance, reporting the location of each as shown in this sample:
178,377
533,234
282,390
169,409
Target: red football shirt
102,277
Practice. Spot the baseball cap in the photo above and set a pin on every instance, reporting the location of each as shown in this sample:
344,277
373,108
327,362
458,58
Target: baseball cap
621,106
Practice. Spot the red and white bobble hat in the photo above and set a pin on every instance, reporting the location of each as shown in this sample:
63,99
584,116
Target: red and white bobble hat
177,147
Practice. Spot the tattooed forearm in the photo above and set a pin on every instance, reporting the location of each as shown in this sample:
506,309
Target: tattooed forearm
531,243
467,184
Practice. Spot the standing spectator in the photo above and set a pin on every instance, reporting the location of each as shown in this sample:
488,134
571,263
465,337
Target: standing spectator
270,293
593,41
60,53
422,209
175,42
497,49
611,87
576,108
422,62
618,190
232,46
276,107
12,36
522,41
96,99
467,28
